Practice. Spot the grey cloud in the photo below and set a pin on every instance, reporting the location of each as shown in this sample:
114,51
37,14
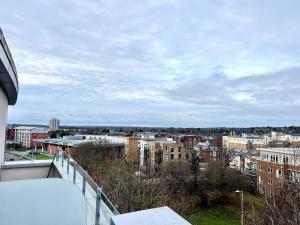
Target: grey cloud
168,62
271,96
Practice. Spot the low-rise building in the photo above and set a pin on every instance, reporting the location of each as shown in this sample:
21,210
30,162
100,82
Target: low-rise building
129,145
69,144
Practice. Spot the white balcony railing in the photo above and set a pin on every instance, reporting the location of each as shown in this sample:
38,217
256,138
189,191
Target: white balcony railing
100,208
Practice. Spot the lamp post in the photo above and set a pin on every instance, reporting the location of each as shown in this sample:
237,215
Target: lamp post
242,206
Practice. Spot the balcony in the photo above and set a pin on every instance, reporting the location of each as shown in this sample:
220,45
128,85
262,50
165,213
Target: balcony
69,192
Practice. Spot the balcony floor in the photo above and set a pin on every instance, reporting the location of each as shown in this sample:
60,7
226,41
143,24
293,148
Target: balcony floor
41,202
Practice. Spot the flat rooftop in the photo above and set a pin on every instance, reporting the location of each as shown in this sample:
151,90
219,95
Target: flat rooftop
64,142
70,142
42,202
157,216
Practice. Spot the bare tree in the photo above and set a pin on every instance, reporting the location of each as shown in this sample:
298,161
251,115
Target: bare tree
281,207
131,192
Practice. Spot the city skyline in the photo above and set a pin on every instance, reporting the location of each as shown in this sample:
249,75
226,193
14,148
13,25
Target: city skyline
155,63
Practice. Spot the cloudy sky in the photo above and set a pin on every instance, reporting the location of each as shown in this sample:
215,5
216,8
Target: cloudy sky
189,63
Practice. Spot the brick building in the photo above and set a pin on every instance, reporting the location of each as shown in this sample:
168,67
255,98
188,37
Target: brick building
127,145
131,149
218,141
25,135
10,134
210,154
274,165
189,141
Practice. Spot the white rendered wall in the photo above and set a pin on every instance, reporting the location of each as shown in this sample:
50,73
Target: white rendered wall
3,119
24,173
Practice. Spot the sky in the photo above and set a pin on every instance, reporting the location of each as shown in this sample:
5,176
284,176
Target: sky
180,63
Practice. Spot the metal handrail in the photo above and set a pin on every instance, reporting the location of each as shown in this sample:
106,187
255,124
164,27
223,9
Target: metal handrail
100,195
51,165
109,204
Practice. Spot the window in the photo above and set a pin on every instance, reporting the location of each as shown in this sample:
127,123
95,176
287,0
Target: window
172,156
172,148
259,167
179,156
260,180
167,148
270,170
274,158
179,149
285,160
278,173
167,157
270,181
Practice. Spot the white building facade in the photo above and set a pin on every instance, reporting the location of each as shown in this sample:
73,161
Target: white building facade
3,116
246,141
8,89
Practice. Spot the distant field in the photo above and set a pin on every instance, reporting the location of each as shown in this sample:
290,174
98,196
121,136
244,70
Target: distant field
223,215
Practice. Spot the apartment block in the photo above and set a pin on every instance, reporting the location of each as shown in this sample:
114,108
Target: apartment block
25,135
246,141
154,152
274,165
243,142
